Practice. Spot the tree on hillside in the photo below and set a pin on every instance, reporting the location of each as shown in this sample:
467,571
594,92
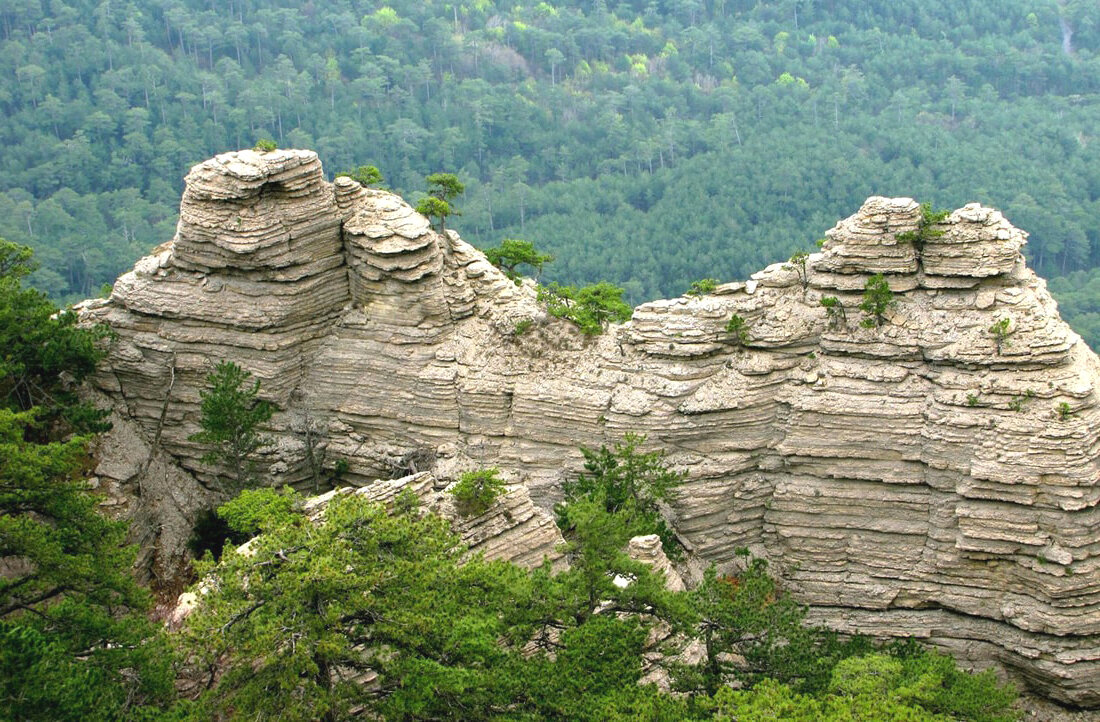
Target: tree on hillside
45,355
74,643
294,623
231,417
877,299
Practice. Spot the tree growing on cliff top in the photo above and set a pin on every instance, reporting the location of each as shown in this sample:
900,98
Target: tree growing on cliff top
442,189
231,416
590,307
512,253
365,175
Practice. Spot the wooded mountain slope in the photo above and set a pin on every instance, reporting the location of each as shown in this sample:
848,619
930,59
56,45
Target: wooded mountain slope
650,143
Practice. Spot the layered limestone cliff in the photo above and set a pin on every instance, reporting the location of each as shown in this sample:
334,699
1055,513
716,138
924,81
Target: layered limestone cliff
928,477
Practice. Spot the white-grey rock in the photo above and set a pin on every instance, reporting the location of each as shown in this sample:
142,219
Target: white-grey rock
910,479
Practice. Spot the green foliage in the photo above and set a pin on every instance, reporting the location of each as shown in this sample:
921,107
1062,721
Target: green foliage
923,687
442,189
1017,403
933,681
285,630
797,262
877,299
751,631
432,207
523,326
702,287
360,590
972,400
926,230
625,482
367,176
591,308
265,145
74,643
1000,333
406,502
445,186
476,491
512,253
45,355
1063,410
231,417
255,510
738,330
834,312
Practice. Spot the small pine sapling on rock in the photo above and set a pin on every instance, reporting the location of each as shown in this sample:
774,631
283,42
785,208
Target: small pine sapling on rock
702,287
231,417
1000,332
738,330
926,230
834,311
367,176
797,263
442,189
877,299
590,307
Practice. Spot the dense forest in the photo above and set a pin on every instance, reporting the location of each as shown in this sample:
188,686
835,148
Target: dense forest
646,142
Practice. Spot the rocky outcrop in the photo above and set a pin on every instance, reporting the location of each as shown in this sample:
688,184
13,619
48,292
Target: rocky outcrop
928,477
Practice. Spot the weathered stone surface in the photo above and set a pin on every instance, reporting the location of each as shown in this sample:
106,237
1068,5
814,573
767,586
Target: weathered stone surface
512,529
912,479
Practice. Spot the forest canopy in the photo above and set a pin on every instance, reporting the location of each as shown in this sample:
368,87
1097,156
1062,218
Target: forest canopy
645,143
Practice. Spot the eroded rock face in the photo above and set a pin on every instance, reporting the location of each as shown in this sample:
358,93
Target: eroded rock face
920,478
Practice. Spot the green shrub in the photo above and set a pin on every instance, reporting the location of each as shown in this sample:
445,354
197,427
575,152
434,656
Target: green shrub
265,145
702,287
925,230
476,491
257,509
591,308
737,330
523,326
797,262
407,502
1000,332
834,311
365,175
877,298
512,253
626,482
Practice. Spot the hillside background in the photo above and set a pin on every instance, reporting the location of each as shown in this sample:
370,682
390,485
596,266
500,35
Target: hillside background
649,143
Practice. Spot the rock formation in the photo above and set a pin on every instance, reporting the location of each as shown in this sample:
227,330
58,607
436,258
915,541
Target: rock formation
928,477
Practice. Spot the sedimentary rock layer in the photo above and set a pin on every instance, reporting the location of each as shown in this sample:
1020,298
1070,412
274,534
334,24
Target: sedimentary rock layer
931,476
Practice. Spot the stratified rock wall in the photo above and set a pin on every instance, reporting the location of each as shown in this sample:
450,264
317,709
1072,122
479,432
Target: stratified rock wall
925,477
